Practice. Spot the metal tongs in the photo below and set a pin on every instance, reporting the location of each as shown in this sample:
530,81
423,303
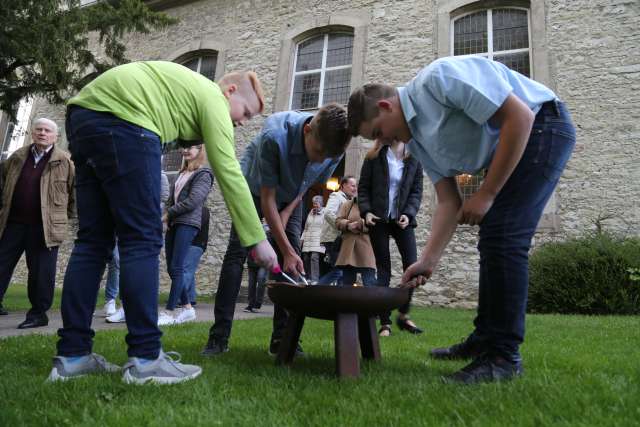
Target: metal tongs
278,270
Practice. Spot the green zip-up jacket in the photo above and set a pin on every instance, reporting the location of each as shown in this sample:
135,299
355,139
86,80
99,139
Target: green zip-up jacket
177,103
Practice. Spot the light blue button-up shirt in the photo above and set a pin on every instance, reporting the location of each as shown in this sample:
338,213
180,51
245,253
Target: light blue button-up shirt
447,107
276,158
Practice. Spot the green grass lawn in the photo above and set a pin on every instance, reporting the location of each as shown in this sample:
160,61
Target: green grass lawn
579,371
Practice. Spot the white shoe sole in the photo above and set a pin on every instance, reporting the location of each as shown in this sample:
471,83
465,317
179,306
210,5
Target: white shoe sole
190,319
127,378
54,376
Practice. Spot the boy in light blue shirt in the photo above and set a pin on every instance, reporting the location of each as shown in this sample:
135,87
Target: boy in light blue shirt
293,151
465,115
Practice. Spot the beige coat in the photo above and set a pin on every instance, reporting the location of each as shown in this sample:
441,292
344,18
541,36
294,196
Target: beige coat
356,249
57,196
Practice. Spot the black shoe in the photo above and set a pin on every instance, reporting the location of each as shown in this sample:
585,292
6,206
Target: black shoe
34,322
215,347
274,347
467,349
404,325
485,369
3,312
384,331
248,309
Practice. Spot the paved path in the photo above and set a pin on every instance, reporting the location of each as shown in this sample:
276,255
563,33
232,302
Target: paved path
9,323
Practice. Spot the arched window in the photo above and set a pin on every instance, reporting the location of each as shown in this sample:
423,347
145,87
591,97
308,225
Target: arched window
202,61
322,71
501,34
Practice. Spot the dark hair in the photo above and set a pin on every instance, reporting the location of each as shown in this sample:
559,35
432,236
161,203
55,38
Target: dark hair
346,178
363,104
330,127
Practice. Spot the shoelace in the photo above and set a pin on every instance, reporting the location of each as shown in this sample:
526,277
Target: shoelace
168,356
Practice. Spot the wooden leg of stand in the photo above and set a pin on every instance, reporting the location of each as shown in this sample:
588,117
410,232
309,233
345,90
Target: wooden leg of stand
369,342
346,345
289,343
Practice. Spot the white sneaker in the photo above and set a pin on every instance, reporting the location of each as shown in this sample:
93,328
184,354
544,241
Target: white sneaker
117,317
110,308
165,318
186,315
163,370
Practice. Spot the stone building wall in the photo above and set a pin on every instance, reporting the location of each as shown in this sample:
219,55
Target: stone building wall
591,49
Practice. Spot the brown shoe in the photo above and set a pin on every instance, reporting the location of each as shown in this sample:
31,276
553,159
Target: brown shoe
467,349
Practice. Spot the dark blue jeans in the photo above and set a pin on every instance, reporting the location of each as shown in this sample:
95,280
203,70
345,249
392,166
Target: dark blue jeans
508,227
231,278
177,243
118,194
191,263
349,274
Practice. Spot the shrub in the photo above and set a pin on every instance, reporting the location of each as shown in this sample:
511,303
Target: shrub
595,274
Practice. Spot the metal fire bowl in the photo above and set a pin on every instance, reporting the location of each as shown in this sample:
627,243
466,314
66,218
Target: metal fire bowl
324,302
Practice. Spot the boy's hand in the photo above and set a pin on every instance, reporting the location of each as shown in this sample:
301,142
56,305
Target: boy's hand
293,264
403,221
417,274
474,209
370,219
264,255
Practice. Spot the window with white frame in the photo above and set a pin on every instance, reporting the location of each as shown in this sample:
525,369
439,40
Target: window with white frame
203,62
322,71
500,34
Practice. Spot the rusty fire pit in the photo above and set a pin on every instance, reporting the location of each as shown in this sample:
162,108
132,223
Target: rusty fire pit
353,310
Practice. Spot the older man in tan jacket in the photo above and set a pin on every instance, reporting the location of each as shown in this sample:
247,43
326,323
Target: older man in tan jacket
37,199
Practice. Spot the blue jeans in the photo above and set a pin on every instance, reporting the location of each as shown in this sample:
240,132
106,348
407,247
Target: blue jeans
191,263
112,286
118,194
508,227
349,274
176,246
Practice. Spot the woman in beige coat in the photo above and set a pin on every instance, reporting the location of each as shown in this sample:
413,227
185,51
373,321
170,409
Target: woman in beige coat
356,254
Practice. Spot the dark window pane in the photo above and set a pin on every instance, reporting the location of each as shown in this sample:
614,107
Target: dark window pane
208,67
306,91
192,64
469,184
310,54
339,50
172,160
510,29
470,34
516,61
337,86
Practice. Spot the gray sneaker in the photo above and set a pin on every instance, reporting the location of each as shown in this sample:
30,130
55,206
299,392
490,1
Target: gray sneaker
163,370
64,369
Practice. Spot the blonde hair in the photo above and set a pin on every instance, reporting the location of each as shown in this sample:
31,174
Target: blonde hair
197,163
244,80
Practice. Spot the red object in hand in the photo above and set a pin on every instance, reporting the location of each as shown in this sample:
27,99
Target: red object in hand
275,270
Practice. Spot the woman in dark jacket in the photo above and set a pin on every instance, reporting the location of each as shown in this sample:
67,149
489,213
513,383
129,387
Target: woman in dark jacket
390,192
184,217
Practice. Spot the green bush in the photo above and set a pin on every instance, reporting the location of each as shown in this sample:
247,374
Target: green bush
595,274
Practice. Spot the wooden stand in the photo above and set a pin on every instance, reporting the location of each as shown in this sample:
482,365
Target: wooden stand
350,332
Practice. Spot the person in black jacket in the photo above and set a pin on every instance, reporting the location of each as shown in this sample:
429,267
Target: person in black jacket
390,192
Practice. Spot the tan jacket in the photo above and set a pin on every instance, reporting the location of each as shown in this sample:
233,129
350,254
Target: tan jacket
356,249
57,195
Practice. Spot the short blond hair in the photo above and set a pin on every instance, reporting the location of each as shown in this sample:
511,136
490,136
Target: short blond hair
245,80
